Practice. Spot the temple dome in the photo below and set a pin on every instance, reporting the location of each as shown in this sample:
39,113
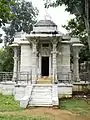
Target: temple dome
45,26
45,23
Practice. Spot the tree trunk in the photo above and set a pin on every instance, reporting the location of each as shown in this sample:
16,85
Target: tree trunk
86,18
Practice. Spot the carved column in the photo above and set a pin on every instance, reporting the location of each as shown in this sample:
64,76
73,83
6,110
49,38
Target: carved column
54,64
15,68
76,45
34,61
75,63
39,70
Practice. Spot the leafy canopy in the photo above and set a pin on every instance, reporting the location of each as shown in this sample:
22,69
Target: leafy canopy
25,16
5,11
80,26
6,59
76,27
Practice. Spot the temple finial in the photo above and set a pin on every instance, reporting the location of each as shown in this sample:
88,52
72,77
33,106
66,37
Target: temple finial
47,15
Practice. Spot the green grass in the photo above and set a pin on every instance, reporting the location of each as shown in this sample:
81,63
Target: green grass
78,106
8,106
10,117
7,103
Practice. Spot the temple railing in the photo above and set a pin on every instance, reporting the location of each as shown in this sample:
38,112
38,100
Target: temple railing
20,77
85,76
6,76
64,77
27,77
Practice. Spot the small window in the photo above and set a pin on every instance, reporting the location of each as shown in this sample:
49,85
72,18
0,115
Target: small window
45,45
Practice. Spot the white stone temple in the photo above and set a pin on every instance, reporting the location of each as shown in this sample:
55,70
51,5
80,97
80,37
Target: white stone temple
42,65
45,52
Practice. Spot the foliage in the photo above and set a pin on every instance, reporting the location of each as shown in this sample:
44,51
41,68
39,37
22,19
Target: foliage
76,7
79,26
13,117
78,106
6,59
7,103
76,27
10,109
6,11
25,16
81,9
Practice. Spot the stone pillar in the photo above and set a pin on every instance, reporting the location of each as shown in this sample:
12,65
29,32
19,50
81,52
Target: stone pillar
34,61
75,64
15,68
39,70
54,64
76,45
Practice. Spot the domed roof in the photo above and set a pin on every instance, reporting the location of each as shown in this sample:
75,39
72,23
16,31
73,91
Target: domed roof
45,23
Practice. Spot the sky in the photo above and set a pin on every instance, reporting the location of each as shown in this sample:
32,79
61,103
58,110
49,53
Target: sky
57,15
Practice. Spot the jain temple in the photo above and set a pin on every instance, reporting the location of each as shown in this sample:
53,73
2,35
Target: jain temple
42,70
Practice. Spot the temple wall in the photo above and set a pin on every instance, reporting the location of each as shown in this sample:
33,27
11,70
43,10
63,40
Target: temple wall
26,58
63,61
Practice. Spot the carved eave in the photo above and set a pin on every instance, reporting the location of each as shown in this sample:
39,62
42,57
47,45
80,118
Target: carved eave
43,37
66,37
77,45
14,45
65,42
24,42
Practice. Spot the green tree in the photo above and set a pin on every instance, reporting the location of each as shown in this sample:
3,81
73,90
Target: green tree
5,11
80,8
76,27
6,59
25,17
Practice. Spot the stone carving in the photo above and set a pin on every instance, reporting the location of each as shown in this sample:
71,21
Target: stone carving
45,51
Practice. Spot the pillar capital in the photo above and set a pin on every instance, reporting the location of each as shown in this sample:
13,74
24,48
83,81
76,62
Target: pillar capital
34,41
77,47
54,41
15,58
54,52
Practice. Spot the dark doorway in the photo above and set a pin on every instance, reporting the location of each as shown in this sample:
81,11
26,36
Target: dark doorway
45,66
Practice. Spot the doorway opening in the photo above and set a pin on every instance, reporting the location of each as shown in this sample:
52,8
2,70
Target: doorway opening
45,66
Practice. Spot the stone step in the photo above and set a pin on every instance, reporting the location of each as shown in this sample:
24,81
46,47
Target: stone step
42,90
40,102
41,96
44,80
35,96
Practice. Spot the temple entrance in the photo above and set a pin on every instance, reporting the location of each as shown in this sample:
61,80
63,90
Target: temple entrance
45,66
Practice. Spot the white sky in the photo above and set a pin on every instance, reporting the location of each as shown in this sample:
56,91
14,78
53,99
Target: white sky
58,15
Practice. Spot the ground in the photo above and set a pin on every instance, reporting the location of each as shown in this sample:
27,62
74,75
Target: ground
72,109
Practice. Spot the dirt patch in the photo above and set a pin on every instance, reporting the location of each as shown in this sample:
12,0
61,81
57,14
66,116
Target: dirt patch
50,113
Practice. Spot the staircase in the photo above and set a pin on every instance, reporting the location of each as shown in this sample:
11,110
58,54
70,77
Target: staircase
44,80
41,95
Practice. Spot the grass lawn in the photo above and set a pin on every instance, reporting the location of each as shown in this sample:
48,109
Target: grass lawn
7,103
10,110
11,117
78,106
